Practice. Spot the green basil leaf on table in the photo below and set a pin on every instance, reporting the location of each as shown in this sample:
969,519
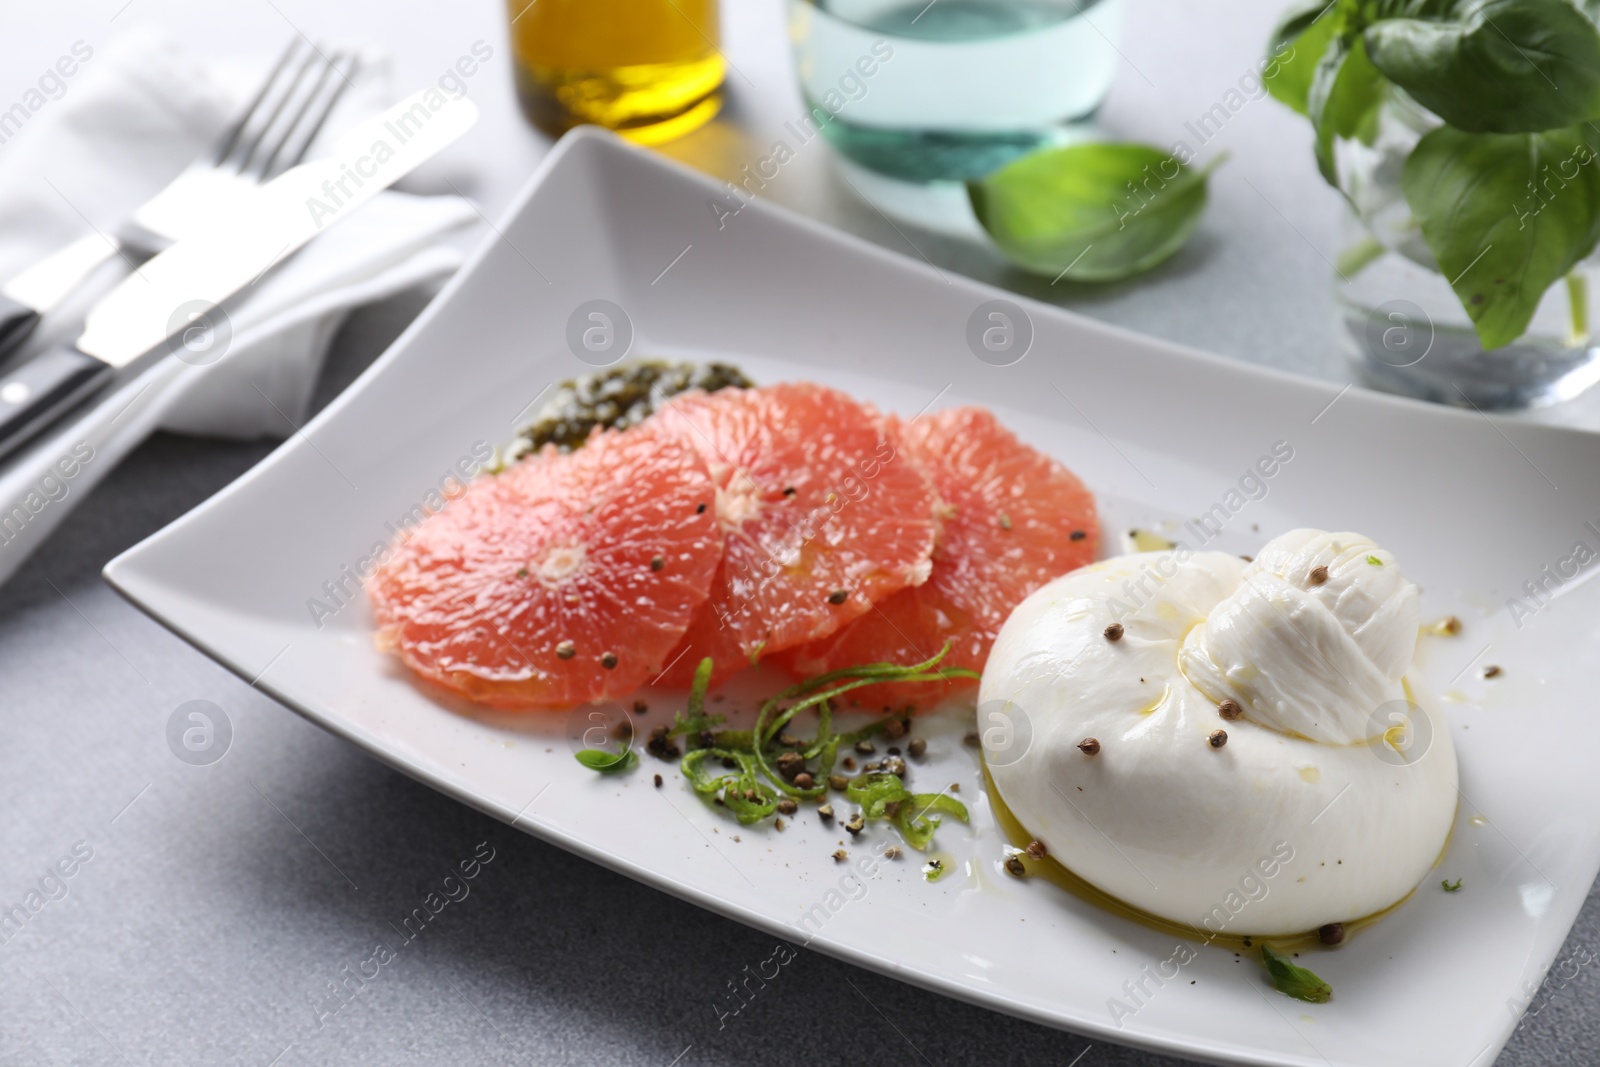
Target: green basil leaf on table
1492,66
1297,45
1498,244
1347,92
1091,212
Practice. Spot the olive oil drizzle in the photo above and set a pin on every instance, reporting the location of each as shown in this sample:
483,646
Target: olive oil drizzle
1053,870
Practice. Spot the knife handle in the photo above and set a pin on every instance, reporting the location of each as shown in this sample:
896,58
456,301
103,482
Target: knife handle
16,323
32,395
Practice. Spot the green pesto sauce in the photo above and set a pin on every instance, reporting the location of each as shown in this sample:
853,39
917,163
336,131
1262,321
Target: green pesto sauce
616,398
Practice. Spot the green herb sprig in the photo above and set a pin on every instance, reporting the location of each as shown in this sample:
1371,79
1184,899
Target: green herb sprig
751,787
1504,192
885,796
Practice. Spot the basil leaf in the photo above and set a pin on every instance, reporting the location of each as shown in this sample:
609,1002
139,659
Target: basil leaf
1493,66
598,759
1091,212
1346,94
1300,17
1297,45
1506,216
1292,980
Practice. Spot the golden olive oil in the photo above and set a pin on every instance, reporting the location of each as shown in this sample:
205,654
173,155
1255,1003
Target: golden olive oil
648,69
1053,870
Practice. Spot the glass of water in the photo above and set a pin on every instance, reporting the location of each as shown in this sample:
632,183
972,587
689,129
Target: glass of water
950,90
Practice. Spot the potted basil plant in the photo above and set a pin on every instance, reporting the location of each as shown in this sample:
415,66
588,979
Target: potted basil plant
1463,135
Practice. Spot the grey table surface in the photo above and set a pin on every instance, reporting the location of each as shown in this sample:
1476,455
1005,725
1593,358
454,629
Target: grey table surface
221,902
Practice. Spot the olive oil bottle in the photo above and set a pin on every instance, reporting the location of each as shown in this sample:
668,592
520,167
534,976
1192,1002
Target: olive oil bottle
649,69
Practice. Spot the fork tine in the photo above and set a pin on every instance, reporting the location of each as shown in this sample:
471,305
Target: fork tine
227,144
259,143
262,168
308,121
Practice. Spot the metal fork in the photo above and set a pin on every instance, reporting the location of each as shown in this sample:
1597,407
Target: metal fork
272,134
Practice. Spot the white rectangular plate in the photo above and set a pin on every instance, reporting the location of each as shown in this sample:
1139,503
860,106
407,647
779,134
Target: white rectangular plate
1473,509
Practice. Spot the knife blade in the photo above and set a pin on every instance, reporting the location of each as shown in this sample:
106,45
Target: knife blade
25,299
175,298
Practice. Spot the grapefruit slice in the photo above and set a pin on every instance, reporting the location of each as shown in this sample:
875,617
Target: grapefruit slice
1013,519
565,579
821,516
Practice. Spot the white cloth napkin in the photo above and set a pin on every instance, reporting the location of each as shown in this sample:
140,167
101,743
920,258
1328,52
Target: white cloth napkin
130,118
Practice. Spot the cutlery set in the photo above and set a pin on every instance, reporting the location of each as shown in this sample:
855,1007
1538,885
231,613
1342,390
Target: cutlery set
213,232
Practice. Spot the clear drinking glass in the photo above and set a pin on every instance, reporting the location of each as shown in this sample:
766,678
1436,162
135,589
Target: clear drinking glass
951,89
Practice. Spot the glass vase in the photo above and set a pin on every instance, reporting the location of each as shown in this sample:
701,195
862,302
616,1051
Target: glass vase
1401,326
